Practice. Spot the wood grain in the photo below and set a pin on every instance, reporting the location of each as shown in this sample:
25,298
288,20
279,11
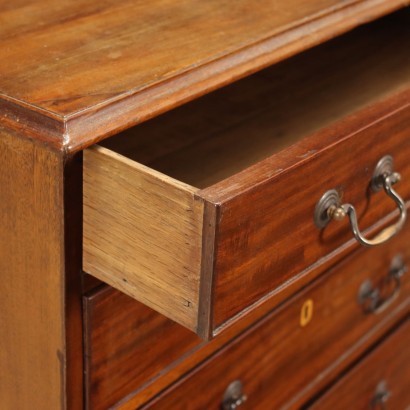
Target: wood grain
191,144
74,73
223,133
32,324
97,68
73,280
264,253
275,201
143,234
283,363
127,344
116,338
388,363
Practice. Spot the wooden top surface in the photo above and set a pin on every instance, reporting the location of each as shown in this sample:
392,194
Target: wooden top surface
73,73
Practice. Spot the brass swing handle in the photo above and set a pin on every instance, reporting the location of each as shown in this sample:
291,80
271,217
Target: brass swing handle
330,208
371,297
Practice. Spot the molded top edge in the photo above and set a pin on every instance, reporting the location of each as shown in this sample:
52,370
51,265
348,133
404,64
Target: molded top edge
76,74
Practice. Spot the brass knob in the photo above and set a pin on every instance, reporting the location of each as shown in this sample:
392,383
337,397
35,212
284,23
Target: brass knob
233,396
336,212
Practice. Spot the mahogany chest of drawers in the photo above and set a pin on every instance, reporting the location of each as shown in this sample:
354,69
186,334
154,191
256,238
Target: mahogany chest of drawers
204,205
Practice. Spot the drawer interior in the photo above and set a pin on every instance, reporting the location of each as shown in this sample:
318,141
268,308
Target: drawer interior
222,133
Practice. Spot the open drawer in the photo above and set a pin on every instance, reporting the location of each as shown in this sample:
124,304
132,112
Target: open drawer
207,211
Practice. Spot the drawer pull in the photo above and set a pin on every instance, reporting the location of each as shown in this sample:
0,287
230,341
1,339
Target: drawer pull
330,207
380,397
370,297
233,396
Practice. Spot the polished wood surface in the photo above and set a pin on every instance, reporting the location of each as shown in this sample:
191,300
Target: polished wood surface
117,329
32,325
208,140
283,360
386,368
264,252
142,233
127,344
142,393
74,72
275,202
225,132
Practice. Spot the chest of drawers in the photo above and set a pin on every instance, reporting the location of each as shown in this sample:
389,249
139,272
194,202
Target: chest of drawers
204,204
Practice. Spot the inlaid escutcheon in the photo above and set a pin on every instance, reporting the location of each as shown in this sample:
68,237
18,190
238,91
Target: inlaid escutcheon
306,313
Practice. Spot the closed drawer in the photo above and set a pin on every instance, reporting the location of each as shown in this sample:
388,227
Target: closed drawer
380,381
132,352
211,236
287,357
126,345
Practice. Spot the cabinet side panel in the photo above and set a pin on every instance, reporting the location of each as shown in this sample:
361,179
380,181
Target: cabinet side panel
32,347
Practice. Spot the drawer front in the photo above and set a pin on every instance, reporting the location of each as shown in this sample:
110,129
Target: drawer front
265,231
287,356
380,381
126,344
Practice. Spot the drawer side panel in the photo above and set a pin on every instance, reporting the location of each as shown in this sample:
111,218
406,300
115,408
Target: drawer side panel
142,234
